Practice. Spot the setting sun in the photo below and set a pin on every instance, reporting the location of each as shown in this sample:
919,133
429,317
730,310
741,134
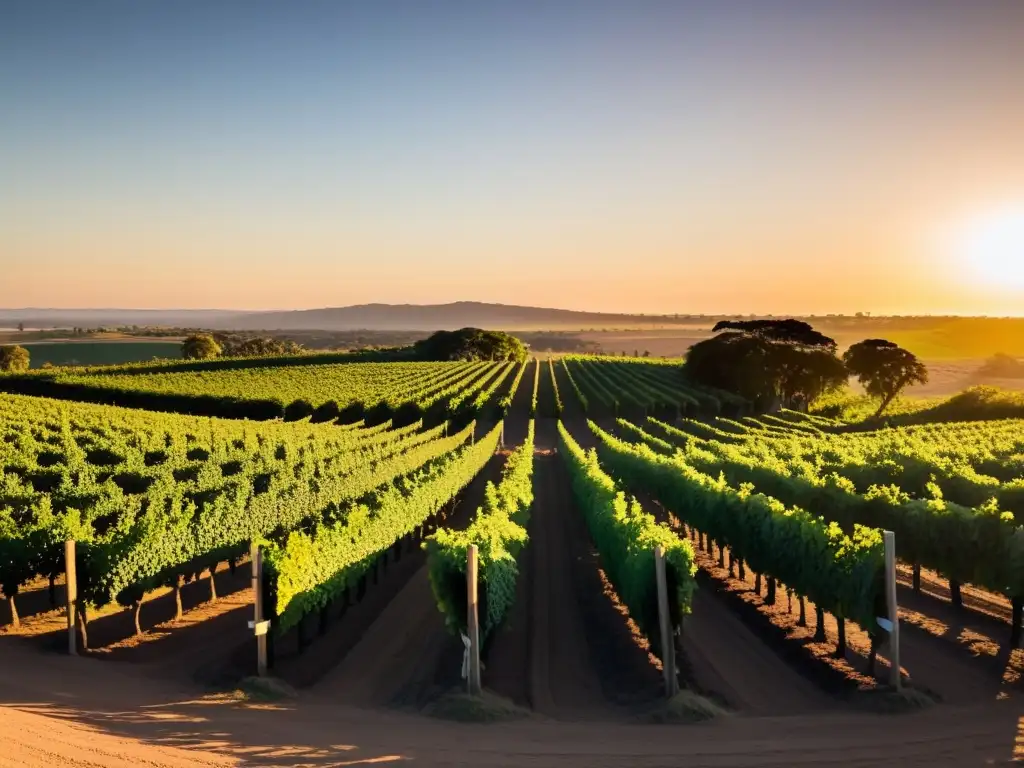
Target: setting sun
992,247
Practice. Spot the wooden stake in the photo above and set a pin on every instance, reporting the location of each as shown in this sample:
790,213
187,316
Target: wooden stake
213,583
668,649
71,588
179,582
1016,622
259,626
473,621
895,678
955,595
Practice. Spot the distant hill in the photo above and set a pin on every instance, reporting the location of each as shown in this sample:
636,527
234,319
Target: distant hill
376,317
432,317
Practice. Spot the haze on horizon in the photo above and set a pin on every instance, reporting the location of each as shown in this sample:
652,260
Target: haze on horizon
747,157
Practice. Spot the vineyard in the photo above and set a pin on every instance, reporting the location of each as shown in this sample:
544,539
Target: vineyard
642,547
346,392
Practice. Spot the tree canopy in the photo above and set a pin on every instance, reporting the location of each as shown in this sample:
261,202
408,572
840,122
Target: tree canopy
769,362
259,346
200,346
14,359
470,344
884,368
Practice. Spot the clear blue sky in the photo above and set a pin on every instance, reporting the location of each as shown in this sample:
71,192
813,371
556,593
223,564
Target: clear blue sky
635,156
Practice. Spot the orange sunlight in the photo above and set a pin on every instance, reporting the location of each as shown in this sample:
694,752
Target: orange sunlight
991,247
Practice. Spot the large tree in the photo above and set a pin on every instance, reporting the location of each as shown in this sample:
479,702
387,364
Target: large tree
200,346
14,359
769,362
470,344
884,368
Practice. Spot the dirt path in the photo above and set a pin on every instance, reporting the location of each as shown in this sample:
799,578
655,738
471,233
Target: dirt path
730,660
33,740
104,715
977,637
401,650
566,651
56,710
956,656
406,655
517,420
727,658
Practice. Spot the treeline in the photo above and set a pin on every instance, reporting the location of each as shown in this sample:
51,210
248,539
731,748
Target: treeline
788,364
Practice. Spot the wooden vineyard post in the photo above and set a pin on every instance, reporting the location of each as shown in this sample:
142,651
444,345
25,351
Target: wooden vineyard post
893,619
258,625
501,437
71,590
473,621
668,648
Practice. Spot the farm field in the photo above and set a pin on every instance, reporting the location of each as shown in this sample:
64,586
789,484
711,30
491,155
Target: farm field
936,339
89,352
366,620
257,390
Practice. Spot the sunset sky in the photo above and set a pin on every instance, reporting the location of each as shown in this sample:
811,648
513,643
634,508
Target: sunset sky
637,156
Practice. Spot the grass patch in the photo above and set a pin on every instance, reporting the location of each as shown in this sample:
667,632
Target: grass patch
686,707
886,699
266,689
459,706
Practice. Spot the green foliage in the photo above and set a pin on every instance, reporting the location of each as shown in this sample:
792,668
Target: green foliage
554,386
767,362
980,403
470,344
922,483
626,537
884,369
200,346
148,496
536,388
648,385
505,402
256,346
499,531
841,573
349,391
580,397
13,359
309,569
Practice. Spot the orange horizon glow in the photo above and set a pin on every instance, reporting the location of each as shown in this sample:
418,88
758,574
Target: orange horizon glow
662,159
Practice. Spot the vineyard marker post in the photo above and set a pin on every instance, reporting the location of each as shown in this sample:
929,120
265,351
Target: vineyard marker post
668,649
894,619
473,621
258,625
71,594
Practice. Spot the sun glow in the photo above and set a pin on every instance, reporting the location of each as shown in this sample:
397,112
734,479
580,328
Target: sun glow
990,248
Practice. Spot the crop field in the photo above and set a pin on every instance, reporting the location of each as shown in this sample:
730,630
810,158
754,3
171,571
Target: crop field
368,486
348,391
99,352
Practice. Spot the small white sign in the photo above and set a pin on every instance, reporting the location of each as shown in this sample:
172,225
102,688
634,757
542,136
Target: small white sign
884,623
261,628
